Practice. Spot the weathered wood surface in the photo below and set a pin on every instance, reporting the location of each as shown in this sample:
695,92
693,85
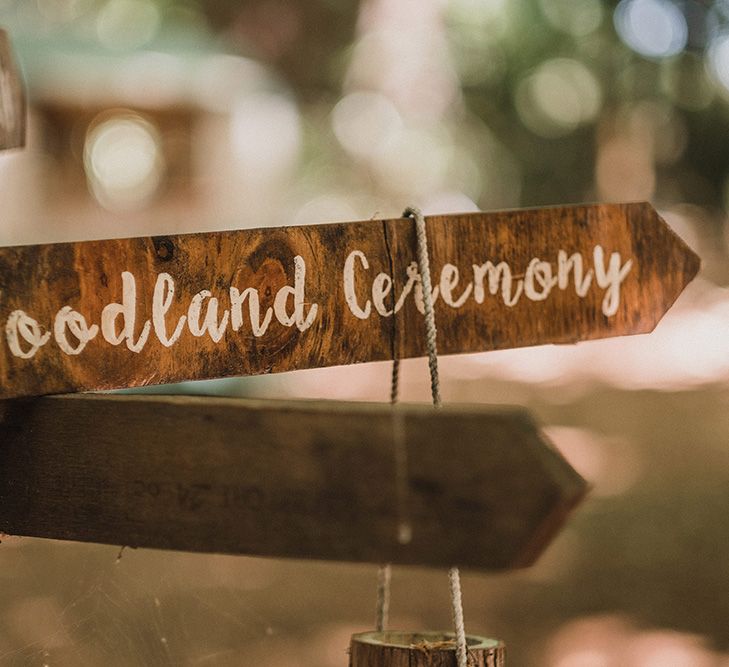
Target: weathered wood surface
73,322
12,98
421,649
482,488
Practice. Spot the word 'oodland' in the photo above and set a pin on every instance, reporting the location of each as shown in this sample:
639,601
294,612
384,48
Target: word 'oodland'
106,314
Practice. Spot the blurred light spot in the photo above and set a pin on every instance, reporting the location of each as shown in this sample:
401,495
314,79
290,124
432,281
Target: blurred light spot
611,641
653,28
664,648
221,78
530,365
416,161
127,24
163,85
483,15
589,642
62,11
479,59
365,123
123,160
683,352
449,202
585,658
337,383
683,220
625,170
409,66
576,17
687,350
610,464
557,97
480,11
327,208
266,135
718,56
717,19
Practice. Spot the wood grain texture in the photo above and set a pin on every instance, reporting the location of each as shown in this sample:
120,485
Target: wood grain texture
12,98
423,649
483,488
41,280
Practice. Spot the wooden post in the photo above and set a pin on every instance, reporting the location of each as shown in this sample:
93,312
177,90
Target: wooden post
421,649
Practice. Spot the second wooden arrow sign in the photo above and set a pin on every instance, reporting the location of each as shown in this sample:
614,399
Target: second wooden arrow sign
131,312
473,487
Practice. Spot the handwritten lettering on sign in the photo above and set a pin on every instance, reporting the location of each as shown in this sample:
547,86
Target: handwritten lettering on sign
497,278
205,317
106,314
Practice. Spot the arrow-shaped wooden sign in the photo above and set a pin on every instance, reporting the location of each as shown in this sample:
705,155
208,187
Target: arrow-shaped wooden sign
124,313
464,485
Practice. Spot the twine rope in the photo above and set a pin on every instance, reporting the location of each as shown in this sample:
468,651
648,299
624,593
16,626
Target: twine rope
427,288
385,572
454,579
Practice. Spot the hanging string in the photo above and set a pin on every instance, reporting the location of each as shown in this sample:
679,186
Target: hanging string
384,574
430,330
395,383
454,579
454,576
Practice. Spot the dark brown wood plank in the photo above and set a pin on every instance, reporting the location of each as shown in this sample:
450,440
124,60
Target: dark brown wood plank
12,98
52,295
421,649
482,489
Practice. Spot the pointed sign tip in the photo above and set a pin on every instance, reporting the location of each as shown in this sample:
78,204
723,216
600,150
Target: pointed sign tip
571,489
666,264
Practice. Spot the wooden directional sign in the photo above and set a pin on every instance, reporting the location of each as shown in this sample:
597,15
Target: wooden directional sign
477,488
12,98
107,314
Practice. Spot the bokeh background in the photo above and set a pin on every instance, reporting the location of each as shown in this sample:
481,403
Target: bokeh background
154,117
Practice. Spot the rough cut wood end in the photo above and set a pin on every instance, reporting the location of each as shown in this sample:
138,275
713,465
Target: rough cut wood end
421,649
